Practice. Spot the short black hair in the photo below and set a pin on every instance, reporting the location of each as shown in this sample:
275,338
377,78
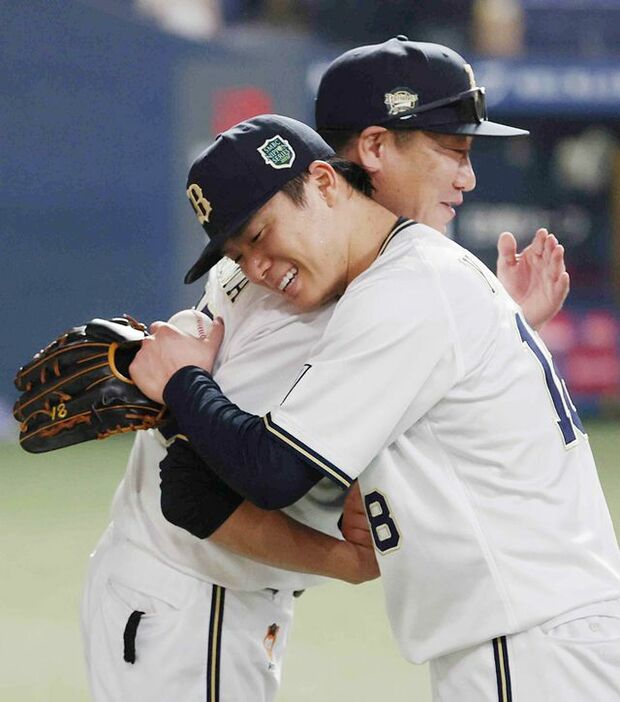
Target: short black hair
356,176
339,139
403,136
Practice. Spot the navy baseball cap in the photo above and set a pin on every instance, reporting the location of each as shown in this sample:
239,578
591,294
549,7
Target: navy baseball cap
241,170
402,84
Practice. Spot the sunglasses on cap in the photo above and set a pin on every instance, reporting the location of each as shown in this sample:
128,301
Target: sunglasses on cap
468,106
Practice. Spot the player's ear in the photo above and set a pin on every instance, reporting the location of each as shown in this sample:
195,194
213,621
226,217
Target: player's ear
324,177
369,148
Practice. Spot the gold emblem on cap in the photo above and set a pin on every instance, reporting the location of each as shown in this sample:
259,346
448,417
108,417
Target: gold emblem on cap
470,74
400,100
201,205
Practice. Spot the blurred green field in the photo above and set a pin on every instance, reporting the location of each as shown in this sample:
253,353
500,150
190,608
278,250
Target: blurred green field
55,506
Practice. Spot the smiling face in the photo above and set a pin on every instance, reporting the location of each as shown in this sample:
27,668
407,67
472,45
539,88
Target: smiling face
416,174
295,250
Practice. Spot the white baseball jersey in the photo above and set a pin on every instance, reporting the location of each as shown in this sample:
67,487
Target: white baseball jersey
483,497
263,348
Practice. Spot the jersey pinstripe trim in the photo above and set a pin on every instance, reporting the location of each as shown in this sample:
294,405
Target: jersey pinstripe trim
215,643
207,311
328,469
401,224
502,670
304,370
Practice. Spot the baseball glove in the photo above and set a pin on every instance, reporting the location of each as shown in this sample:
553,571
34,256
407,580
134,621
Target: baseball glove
78,388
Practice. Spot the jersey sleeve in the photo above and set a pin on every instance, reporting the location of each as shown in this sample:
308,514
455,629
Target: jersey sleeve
388,354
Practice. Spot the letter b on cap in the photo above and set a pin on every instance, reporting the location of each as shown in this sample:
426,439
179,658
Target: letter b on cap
201,205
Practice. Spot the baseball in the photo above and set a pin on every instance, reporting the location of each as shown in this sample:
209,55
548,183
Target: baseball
191,322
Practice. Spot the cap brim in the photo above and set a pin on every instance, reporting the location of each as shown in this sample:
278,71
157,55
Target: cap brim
208,258
482,129
213,250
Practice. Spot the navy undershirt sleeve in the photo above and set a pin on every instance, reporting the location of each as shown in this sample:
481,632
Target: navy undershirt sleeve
237,445
192,496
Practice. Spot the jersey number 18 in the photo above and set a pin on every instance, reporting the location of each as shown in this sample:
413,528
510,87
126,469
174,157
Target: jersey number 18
567,417
385,534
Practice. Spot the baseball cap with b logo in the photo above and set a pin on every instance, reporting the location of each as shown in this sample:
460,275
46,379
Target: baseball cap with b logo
240,171
402,84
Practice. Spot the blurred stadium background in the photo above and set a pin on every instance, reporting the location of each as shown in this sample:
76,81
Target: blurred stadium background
103,103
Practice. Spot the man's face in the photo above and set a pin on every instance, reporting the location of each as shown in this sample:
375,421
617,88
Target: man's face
423,176
293,250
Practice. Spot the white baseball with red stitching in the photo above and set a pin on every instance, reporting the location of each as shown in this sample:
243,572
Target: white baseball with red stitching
191,322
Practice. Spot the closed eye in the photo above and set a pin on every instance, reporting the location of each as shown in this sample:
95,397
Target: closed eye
253,240
456,150
459,146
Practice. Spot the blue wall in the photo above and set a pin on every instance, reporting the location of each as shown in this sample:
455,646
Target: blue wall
84,172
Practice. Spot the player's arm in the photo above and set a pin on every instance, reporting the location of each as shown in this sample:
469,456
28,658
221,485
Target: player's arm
236,444
273,463
276,539
536,278
195,499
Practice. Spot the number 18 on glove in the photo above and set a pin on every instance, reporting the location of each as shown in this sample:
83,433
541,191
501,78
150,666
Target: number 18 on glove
78,388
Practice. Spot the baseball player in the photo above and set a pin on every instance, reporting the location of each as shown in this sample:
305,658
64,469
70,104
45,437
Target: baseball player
496,548
420,164
258,349
167,615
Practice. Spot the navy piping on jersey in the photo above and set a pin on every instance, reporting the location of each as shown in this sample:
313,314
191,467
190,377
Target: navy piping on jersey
328,469
237,445
305,369
207,311
214,653
502,669
401,223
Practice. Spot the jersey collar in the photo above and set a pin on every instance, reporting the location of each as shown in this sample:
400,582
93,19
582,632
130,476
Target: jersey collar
401,223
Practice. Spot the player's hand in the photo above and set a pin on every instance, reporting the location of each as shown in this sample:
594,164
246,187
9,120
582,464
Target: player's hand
354,526
536,278
358,541
167,350
357,564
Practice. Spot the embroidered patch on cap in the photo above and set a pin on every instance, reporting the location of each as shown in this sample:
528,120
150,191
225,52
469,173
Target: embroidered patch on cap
201,205
400,100
277,152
